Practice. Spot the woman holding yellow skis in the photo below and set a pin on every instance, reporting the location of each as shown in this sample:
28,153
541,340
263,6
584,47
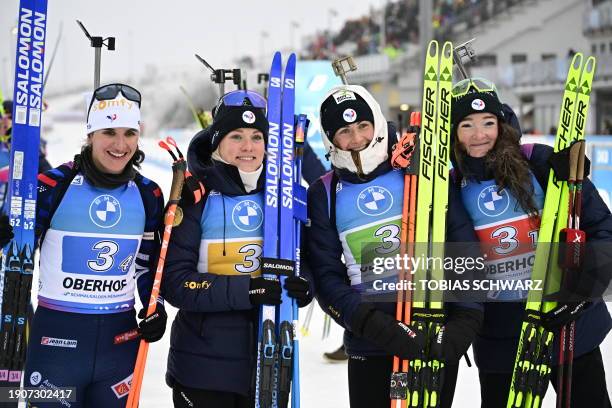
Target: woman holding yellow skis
502,186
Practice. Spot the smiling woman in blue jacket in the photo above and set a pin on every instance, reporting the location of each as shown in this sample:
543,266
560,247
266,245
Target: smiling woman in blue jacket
213,267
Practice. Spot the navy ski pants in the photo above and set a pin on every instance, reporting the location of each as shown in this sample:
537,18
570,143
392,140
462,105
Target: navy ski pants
77,350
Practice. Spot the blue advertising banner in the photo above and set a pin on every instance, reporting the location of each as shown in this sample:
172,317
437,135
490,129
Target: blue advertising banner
313,80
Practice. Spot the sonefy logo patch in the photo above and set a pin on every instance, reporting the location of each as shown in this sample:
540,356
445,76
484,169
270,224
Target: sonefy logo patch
113,104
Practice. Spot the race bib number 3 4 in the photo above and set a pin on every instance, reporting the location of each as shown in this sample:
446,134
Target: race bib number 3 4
91,255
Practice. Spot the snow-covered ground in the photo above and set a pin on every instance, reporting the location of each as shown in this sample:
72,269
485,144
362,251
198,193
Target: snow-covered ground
323,385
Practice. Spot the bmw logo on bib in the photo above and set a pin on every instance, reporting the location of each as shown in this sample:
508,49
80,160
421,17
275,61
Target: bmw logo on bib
491,203
374,201
247,215
105,211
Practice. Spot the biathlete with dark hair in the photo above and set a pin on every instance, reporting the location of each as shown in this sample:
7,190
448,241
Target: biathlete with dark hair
502,187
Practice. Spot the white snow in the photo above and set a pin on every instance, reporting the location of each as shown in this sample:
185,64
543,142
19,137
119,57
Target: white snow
323,384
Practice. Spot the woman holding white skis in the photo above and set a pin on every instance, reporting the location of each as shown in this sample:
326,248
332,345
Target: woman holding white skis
97,225
355,205
213,267
502,186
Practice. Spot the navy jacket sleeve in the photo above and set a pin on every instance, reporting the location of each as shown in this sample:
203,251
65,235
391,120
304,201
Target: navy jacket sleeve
596,221
46,199
324,252
148,253
186,288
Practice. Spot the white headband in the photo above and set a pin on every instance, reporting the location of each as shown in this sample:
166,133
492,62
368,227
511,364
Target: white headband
113,113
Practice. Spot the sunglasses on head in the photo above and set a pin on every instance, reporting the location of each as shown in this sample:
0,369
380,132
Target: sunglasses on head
109,92
479,84
241,98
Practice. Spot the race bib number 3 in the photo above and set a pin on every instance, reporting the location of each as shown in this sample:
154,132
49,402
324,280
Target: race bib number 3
379,240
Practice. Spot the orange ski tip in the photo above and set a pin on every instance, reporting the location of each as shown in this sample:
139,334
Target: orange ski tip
163,145
170,140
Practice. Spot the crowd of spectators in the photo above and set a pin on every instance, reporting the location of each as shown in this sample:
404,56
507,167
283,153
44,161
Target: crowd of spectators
364,35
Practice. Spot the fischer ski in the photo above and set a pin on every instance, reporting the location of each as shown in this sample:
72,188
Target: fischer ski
419,382
18,261
534,355
425,160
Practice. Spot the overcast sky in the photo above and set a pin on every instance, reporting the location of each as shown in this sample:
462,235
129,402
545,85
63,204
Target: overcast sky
168,33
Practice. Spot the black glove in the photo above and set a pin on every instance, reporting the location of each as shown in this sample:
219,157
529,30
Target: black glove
298,288
559,162
563,314
584,283
153,327
390,334
6,231
459,332
265,291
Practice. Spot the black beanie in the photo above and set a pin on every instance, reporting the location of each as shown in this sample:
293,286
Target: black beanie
343,108
475,101
228,118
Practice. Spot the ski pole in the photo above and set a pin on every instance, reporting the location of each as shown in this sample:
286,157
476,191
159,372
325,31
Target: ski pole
571,184
567,333
179,167
299,202
572,328
403,157
305,330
